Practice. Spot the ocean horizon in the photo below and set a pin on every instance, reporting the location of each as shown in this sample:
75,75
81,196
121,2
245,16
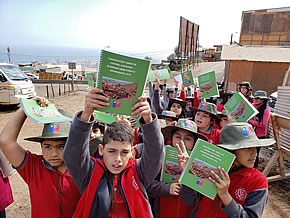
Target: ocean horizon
88,57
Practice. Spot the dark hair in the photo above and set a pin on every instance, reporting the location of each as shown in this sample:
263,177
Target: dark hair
101,126
118,131
262,109
182,115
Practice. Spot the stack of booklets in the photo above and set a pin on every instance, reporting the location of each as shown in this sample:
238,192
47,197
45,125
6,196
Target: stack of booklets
38,114
204,159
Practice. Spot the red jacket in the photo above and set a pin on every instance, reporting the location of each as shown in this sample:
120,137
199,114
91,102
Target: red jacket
243,182
130,187
173,207
213,137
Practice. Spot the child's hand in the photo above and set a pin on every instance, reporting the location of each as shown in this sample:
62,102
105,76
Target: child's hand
122,119
195,86
94,99
176,83
183,86
174,189
199,94
222,183
157,84
230,118
182,155
41,101
142,109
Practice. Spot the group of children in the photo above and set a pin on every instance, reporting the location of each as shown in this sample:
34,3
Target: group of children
89,170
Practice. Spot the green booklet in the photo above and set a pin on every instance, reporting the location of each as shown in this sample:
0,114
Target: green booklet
92,78
38,114
187,78
110,118
160,74
170,170
205,158
122,78
242,110
207,85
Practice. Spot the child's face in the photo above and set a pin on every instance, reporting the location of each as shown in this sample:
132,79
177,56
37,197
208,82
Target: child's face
170,94
96,132
116,155
224,121
169,121
244,90
52,152
246,157
202,120
185,136
189,103
176,108
258,101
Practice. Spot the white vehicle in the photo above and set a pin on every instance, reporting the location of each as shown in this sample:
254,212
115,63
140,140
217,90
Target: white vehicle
32,76
68,76
14,84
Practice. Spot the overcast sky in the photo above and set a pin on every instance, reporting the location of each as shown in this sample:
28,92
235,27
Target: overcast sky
126,25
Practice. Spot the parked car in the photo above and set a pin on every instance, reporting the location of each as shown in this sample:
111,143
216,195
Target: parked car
272,100
32,76
68,76
14,84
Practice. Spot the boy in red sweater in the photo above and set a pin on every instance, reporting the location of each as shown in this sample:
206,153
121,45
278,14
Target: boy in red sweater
113,185
243,192
205,116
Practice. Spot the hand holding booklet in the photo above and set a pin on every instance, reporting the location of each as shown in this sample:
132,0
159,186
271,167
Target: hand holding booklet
39,114
122,79
205,158
242,110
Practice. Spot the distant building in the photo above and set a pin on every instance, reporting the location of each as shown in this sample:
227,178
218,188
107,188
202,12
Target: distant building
212,54
266,27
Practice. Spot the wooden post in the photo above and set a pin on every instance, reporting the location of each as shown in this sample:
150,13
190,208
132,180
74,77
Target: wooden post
52,89
68,88
72,76
64,88
59,90
47,92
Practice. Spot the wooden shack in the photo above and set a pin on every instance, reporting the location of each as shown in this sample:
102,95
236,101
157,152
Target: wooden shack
263,66
266,27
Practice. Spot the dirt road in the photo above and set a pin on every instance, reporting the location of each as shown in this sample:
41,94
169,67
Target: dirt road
279,195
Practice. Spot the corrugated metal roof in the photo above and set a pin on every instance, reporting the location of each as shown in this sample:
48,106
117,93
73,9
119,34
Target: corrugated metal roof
256,53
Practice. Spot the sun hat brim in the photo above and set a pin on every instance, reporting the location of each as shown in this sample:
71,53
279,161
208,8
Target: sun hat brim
161,116
168,132
181,102
40,138
216,117
248,144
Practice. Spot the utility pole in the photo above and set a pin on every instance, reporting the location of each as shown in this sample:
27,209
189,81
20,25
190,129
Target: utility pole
9,55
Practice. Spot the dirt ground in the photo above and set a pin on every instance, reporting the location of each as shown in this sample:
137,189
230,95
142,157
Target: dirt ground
279,192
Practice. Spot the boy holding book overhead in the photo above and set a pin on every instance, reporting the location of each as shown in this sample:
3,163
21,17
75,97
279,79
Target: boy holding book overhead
243,192
52,190
113,185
